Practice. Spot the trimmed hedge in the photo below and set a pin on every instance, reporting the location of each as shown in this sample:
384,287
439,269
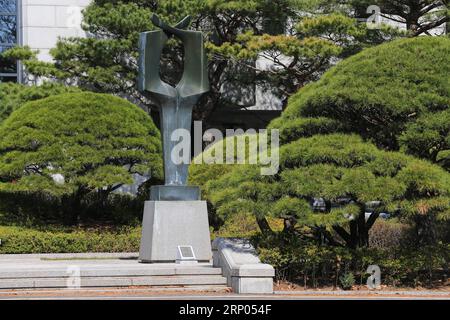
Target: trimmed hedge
18,240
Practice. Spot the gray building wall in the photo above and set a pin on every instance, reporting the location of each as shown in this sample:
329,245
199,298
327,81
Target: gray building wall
43,21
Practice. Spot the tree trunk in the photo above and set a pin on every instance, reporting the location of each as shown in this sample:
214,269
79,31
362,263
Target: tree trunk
71,212
325,237
289,224
264,226
412,25
353,234
343,234
426,230
358,237
363,232
71,208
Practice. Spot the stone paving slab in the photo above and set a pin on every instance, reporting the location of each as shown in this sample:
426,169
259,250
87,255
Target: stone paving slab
113,282
101,270
104,271
91,255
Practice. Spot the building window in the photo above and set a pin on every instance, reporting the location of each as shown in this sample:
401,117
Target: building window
9,37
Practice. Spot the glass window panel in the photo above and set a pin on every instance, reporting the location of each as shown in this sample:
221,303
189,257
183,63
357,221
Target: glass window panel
8,6
7,65
8,38
8,79
8,29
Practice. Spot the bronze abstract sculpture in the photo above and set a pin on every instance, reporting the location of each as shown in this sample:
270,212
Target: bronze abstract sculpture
174,217
175,103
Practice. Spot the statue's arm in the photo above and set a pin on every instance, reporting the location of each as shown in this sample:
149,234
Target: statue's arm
195,81
195,76
169,30
151,45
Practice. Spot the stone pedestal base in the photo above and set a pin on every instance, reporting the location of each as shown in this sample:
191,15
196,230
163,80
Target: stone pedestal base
169,224
174,193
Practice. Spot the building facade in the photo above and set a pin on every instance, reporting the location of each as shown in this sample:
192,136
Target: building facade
37,24
44,21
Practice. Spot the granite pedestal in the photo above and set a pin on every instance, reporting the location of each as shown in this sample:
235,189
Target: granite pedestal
169,224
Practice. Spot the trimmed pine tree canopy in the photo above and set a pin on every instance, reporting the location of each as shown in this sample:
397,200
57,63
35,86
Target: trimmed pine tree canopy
77,143
379,93
350,176
14,95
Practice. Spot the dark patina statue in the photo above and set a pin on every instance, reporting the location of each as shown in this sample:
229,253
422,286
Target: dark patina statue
175,103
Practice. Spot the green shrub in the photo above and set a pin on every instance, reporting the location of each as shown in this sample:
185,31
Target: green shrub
94,143
347,281
39,209
377,94
334,167
16,240
429,138
292,129
244,226
388,234
301,260
287,256
312,265
14,95
202,172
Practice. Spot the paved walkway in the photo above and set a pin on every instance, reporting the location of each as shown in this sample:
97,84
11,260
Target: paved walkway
68,256
189,294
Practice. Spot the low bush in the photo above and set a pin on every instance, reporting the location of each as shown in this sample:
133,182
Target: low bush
347,281
387,234
304,262
17,240
244,226
39,209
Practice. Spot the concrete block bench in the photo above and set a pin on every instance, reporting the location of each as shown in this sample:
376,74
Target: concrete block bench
241,266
